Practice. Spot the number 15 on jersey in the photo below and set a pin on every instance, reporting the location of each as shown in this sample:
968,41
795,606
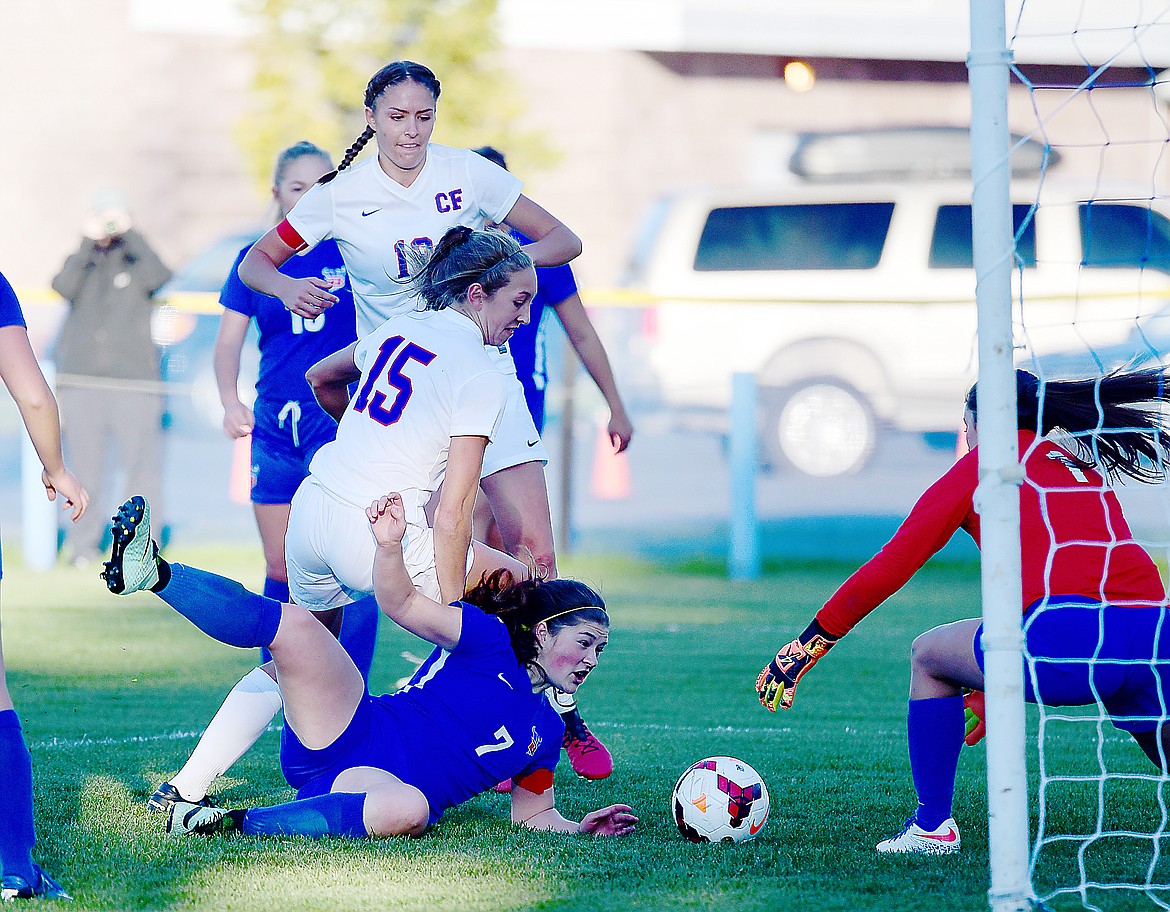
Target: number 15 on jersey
372,401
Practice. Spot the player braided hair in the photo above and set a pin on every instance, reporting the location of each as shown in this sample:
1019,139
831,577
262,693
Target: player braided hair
1116,422
522,605
464,257
390,75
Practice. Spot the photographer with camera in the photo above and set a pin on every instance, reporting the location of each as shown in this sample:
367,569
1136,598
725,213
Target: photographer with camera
108,380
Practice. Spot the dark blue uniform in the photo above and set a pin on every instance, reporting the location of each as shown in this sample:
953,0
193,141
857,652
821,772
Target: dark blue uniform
554,284
290,425
467,720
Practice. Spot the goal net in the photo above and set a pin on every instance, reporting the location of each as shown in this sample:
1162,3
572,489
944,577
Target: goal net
1090,282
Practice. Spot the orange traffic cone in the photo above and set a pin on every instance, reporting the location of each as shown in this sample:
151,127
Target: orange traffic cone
240,479
611,471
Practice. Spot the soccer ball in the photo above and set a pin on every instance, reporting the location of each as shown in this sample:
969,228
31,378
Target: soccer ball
720,799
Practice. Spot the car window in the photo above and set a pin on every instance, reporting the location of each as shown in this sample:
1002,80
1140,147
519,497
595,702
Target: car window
805,236
951,243
1121,236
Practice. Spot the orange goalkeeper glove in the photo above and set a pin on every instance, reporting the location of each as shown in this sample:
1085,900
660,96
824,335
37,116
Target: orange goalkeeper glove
776,684
976,715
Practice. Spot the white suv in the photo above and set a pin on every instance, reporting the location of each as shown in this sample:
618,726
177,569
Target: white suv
854,303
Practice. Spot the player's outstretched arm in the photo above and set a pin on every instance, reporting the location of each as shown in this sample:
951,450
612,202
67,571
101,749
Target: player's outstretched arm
238,419
395,592
585,341
454,512
330,378
260,271
553,242
776,684
22,375
538,812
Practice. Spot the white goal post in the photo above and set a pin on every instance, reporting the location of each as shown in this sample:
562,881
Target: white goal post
999,471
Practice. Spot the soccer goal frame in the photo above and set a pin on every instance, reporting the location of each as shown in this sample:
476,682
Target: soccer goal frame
997,495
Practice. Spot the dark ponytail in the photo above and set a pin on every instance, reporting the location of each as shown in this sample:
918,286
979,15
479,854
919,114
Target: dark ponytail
390,75
1115,422
464,257
522,605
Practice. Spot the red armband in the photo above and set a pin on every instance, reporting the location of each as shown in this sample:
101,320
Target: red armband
537,782
288,234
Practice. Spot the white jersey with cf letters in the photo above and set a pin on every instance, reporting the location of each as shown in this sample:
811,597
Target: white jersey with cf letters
376,221
426,377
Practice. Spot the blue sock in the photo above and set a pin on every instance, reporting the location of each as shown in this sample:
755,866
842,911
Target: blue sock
17,835
221,608
935,729
359,633
335,814
277,590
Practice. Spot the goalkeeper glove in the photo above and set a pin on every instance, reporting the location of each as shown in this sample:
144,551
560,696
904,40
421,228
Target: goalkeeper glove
776,684
976,715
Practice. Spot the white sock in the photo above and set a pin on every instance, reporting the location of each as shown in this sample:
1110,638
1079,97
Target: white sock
244,716
562,702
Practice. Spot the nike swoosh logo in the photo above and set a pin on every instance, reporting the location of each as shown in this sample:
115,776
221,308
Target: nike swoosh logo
752,830
370,211
949,836
533,443
505,680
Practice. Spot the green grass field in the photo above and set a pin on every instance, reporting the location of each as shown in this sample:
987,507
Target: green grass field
113,692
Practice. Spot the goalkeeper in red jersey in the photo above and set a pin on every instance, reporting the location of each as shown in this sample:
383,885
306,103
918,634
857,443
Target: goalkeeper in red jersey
1093,600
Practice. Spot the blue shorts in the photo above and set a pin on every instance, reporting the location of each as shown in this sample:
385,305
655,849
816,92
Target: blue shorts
372,738
1080,653
284,441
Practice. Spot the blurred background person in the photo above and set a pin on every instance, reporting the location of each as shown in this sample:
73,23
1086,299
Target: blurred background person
108,380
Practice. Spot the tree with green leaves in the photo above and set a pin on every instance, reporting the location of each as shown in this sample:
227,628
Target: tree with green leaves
314,57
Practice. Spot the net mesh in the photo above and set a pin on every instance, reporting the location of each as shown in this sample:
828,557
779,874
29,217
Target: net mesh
1092,286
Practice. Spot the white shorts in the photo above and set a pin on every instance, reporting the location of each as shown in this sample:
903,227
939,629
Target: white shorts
516,440
329,551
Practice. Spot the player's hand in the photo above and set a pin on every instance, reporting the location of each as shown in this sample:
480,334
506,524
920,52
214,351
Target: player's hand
621,431
388,517
976,717
615,820
776,684
309,297
238,420
65,483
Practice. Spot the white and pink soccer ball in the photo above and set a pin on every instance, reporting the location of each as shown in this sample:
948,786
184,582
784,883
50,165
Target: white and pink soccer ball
720,799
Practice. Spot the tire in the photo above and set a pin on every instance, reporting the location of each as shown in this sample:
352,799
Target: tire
822,428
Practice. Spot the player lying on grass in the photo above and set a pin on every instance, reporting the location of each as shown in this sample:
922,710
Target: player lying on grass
1093,599
474,713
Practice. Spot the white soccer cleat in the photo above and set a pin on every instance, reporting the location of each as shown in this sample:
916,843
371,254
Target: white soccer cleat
133,563
185,818
915,840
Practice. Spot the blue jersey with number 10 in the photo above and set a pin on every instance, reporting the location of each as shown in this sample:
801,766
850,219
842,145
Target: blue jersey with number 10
289,344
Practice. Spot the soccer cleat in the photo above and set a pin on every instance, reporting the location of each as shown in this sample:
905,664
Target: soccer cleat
503,787
185,818
133,563
167,795
14,887
943,840
589,757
